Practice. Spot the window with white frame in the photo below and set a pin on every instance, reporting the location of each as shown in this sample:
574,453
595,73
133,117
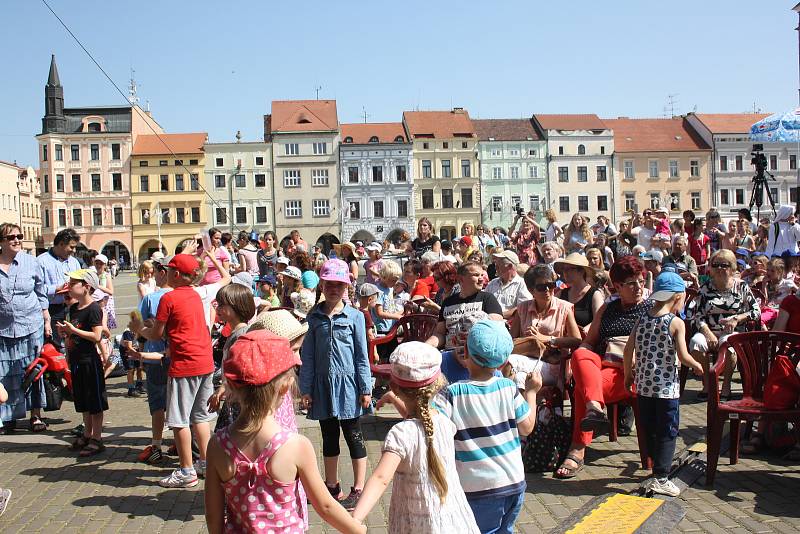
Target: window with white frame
534,203
602,203
563,204
497,172
674,201
532,152
673,168
261,214
694,196
583,203
514,172
293,209
291,178
240,180
377,209
291,149
655,200
219,181
321,208
319,177
497,204
513,153
533,171
320,148
352,175
740,196
516,201
724,197
261,180
694,168
627,167
241,215
630,201
496,152
653,165
222,215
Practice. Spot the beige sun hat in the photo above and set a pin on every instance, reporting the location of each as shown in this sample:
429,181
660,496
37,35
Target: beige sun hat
576,259
347,244
281,323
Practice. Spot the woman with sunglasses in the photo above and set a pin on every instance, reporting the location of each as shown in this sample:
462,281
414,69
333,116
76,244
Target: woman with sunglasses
597,364
725,304
23,318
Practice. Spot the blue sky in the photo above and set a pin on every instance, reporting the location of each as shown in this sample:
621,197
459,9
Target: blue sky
215,66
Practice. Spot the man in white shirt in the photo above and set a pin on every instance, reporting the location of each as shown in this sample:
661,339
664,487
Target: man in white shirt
509,287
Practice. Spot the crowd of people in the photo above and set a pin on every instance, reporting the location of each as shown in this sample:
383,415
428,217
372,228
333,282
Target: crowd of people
235,336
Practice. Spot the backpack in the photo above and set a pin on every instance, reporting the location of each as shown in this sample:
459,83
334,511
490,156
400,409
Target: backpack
546,448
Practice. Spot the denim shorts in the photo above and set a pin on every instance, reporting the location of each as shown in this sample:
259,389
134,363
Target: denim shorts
496,515
156,385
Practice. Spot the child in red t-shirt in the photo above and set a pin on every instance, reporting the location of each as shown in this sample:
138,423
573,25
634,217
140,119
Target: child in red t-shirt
699,244
180,316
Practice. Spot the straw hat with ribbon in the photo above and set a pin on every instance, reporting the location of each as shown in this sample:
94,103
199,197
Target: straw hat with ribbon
575,259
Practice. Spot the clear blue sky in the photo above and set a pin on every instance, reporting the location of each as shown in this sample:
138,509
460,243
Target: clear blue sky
215,66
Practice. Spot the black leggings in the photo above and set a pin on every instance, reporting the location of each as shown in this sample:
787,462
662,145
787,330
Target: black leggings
351,428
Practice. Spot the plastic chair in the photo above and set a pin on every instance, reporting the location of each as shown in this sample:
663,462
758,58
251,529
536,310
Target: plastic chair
413,327
756,352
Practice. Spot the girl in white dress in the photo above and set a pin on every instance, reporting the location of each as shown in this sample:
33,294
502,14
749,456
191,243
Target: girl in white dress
418,453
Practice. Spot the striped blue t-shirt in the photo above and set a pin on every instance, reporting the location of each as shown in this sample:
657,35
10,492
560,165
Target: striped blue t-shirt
486,414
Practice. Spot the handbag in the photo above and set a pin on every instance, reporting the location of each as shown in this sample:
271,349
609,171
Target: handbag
547,446
615,348
53,391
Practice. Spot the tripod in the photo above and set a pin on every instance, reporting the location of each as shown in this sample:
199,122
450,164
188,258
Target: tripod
761,183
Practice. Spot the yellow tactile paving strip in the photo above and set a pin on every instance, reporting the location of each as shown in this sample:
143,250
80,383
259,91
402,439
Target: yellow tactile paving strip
619,514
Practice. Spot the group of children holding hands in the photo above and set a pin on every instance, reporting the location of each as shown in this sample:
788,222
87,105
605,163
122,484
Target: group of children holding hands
455,459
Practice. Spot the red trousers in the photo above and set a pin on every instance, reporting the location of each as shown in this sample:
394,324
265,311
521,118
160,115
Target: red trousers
593,382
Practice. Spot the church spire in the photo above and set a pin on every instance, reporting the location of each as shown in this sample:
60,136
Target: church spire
54,120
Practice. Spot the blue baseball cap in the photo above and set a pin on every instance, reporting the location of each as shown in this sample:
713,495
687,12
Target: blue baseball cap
742,252
489,343
268,279
667,285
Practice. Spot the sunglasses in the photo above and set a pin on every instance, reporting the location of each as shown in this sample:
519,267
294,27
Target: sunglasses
12,237
720,266
541,288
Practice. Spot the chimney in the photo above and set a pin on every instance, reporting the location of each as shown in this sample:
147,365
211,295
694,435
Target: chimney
458,110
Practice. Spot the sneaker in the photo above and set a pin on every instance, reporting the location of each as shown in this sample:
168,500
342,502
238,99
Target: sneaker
78,430
172,450
178,480
133,393
5,496
200,468
349,502
140,389
151,455
335,491
665,487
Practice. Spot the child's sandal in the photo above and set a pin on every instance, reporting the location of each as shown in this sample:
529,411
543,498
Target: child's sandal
92,448
79,443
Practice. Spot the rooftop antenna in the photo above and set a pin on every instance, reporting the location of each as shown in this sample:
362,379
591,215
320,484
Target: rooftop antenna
238,136
147,105
317,89
365,114
669,109
132,98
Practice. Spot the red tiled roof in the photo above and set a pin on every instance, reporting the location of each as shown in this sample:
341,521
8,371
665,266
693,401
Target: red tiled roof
505,129
304,116
11,164
655,135
588,121
730,122
361,133
439,124
188,143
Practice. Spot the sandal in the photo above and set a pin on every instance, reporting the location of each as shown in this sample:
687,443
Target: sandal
569,472
594,421
793,455
754,445
37,425
92,448
79,443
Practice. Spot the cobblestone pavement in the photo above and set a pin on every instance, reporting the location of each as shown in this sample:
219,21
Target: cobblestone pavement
55,492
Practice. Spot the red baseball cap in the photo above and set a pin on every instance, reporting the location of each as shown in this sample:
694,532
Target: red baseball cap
184,264
467,239
257,357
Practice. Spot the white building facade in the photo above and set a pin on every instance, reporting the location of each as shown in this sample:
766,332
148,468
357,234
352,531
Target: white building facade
732,174
376,182
238,180
580,165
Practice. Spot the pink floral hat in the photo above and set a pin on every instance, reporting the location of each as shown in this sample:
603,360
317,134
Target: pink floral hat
335,270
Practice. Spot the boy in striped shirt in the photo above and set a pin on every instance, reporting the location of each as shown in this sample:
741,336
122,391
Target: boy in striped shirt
490,415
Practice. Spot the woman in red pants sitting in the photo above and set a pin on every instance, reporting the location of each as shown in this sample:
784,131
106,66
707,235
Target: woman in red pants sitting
597,364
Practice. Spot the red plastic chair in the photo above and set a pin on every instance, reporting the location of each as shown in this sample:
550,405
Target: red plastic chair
413,327
756,351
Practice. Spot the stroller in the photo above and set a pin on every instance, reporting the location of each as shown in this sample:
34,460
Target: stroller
57,383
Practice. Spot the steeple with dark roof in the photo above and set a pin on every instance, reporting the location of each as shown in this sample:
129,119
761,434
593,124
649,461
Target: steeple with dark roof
54,120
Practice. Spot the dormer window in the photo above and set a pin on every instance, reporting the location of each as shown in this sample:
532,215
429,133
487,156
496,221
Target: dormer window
373,139
348,139
581,150
302,119
94,127
399,139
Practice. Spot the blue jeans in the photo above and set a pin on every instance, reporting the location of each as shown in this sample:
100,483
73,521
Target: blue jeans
496,514
659,420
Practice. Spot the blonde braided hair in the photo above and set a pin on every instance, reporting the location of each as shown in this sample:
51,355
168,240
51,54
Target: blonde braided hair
423,397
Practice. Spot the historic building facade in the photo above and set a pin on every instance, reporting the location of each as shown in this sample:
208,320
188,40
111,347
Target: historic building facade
660,163
732,173
238,180
579,153
30,210
376,180
84,162
305,162
513,169
167,197
446,186
9,192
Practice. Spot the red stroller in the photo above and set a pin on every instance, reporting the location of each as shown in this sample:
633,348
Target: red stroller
52,365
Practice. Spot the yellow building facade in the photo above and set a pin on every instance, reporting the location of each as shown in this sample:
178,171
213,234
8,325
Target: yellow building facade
167,195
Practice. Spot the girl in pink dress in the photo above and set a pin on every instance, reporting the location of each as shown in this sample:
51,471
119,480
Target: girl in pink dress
246,491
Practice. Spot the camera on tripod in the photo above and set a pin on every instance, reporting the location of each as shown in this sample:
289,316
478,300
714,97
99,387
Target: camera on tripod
760,180
759,160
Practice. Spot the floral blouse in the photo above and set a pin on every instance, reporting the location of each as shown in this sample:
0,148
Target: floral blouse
713,305
525,244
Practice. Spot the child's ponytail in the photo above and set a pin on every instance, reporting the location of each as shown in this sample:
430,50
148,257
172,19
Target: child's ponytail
435,467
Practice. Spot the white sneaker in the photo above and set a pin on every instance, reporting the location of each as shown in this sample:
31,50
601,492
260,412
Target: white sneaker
667,487
178,480
200,468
